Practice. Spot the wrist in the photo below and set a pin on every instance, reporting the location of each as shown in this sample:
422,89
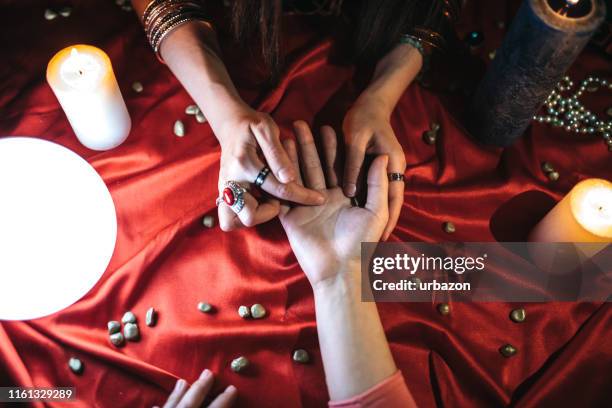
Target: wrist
345,276
373,100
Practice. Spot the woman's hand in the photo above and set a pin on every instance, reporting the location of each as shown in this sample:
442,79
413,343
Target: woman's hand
183,396
367,129
242,139
327,238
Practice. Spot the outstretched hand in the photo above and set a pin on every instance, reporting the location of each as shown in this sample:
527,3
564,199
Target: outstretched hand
327,238
367,129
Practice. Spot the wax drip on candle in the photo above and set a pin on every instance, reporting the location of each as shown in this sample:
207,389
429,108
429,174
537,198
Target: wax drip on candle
81,71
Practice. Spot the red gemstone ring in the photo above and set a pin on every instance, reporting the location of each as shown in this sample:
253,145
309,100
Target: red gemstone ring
233,196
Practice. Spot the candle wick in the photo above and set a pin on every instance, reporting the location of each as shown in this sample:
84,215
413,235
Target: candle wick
80,72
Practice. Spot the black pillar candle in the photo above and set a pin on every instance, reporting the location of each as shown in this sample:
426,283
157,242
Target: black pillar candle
544,39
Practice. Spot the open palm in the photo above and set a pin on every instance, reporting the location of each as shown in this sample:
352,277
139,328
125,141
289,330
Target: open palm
327,236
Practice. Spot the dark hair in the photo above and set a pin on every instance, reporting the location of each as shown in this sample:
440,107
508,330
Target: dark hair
376,26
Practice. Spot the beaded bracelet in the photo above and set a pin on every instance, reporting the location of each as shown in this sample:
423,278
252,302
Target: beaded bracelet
414,42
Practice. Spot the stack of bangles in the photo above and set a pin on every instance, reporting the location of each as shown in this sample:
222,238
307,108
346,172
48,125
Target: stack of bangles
161,17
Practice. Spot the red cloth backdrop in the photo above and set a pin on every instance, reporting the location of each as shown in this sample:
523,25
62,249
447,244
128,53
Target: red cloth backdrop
163,185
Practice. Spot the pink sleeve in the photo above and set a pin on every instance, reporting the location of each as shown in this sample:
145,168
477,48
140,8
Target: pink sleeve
389,393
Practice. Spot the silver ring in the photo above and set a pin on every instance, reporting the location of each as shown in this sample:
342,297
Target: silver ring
233,195
261,176
396,176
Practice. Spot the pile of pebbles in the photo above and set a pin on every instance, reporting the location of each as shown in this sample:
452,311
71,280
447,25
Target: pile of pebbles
131,332
52,14
191,110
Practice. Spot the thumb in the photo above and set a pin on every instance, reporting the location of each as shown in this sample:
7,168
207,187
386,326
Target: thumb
378,187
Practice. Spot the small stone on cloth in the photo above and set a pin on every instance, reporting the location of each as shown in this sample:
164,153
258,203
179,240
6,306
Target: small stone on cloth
507,350
76,365
65,11
244,312
449,227
128,317
200,118
208,221
192,109
553,176
50,14
116,339
113,327
151,317
137,87
239,364
258,311
179,128
130,331
301,356
518,315
204,307
444,309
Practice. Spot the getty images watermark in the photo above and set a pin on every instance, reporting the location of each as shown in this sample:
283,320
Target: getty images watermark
509,272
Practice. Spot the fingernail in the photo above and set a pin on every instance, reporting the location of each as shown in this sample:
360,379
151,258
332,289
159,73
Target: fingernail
230,388
350,189
286,175
205,374
180,384
322,199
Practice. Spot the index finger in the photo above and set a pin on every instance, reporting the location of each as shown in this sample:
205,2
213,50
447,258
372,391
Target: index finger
292,192
194,397
268,137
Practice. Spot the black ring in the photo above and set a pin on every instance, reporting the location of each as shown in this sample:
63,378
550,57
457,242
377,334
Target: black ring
261,176
396,177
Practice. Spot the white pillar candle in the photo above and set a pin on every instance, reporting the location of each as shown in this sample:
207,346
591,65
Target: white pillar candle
83,81
584,215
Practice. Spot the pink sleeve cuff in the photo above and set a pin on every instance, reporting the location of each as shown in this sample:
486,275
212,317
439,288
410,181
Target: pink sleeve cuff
389,393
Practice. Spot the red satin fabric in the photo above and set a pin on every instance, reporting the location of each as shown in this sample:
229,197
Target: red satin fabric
163,185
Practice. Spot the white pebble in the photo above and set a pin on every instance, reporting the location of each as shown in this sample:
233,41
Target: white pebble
65,11
128,317
200,118
137,87
244,312
179,128
130,331
239,364
204,307
301,356
116,339
192,109
151,317
50,14
208,221
113,326
258,311
76,365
